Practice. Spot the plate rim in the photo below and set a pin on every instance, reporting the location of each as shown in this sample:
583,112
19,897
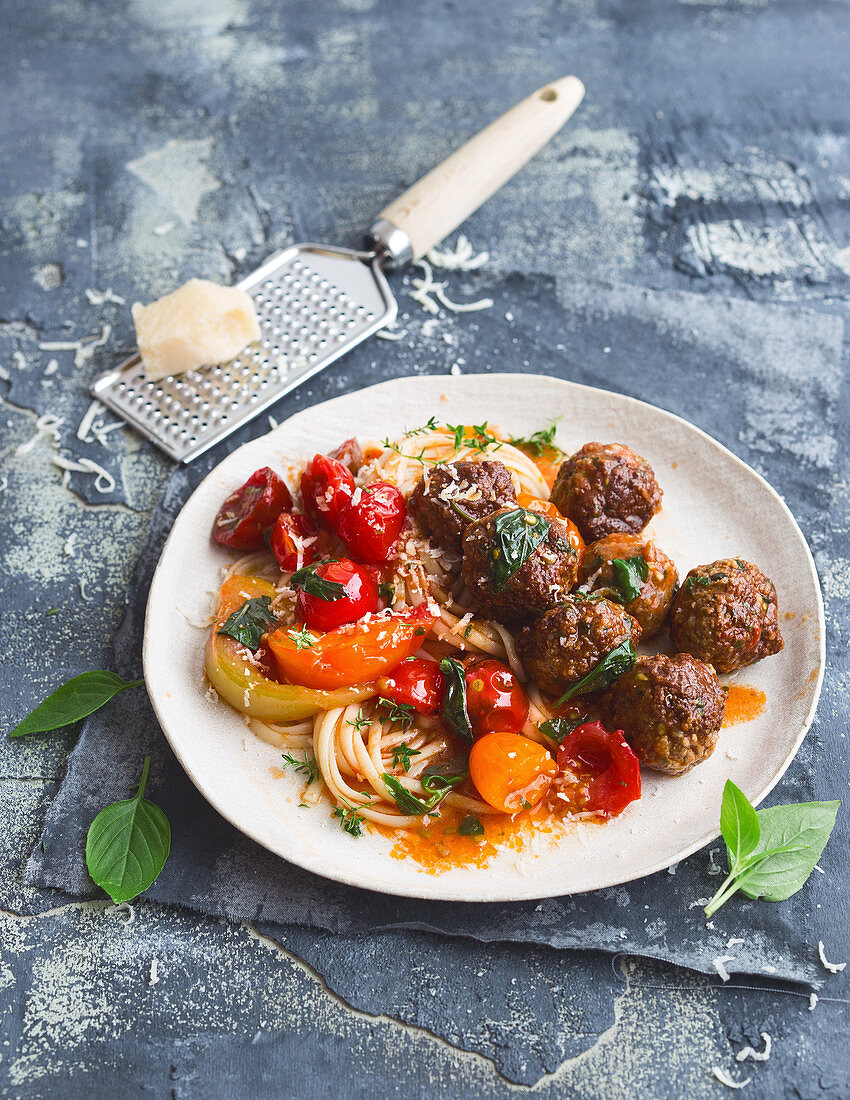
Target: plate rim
514,895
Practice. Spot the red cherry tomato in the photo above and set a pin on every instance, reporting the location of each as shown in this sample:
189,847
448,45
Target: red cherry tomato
370,523
251,510
326,487
359,596
295,541
350,454
417,683
494,699
601,770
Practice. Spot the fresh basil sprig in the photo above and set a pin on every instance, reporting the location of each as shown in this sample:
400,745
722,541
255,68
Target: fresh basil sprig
631,575
438,786
613,664
309,581
516,536
771,852
127,844
250,622
438,777
557,729
76,699
455,713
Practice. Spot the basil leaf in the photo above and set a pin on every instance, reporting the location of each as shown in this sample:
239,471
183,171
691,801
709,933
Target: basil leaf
517,534
739,824
76,699
439,777
127,844
557,729
630,573
407,802
250,622
471,826
613,664
455,714
308,580
792,840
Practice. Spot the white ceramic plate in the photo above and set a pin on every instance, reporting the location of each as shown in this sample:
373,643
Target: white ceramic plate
714,506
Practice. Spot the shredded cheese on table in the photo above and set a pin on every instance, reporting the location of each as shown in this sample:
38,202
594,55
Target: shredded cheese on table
720,968
104,481
833,968
724,1079
756,1055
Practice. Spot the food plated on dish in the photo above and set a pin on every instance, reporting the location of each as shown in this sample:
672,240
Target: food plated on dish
445,634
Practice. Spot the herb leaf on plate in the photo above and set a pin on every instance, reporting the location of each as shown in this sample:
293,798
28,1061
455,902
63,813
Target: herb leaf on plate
613,664
127,844
250,622
516,536
309,581
631,574
557,729
471,826
408,802
76,699
455,713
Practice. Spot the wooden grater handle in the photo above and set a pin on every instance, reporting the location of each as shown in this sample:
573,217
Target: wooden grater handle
435,205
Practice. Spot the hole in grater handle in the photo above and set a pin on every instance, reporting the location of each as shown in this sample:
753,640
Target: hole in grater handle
314,303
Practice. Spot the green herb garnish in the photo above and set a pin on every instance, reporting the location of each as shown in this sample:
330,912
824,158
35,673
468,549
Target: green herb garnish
480,440
771,852
471,826
613,664
303,638
386,592
539,441
397,712
309,581
250,622
556,729
350,820
76,699
455,713
408,803
402,755
692,580
307,767
361,722
516,536
127,844
631,574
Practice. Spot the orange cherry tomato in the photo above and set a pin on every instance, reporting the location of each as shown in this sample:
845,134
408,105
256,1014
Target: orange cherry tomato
354,654
510,771
548,509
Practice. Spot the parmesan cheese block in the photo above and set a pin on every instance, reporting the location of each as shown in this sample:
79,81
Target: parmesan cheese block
198,325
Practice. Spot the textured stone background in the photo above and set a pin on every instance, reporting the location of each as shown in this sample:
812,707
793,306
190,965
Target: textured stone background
146,141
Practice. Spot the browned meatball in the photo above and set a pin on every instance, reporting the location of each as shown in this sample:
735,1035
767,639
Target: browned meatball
726,613
542,580
598,574
446,495
670,710
569,641
606,488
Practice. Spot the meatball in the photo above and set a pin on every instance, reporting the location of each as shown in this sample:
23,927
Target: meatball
569,641
606,488
652,603
445,495
670,710
542,580
726,613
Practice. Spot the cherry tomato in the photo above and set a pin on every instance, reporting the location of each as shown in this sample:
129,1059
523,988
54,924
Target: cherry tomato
494,698
358,597
326,487
510,772
370,523
354,654
548,509
251,510
295,541
601,770
418,683
350,454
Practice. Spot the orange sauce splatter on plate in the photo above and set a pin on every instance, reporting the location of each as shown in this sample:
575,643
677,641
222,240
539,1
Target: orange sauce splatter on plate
743,704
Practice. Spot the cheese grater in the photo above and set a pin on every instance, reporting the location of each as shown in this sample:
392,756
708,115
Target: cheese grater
316,302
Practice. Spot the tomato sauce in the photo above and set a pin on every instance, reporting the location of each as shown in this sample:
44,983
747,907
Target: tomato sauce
743,704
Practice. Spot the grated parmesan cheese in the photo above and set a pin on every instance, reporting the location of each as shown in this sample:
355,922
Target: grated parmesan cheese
83,592
756,1055
47,426
724,1079
154,978
720,968
68,545
83,349
431,295
833,968
104,481
102,297
461,258
813,1000
51,368
733,941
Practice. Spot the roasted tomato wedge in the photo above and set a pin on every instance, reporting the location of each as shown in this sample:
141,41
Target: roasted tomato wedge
334,593
350,454
295,541
495,700
251,510
371,521
415,683
510,772
600,771
326,487
354,654
547,508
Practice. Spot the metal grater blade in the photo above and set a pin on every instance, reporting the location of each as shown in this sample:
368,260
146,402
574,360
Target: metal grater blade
314,303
